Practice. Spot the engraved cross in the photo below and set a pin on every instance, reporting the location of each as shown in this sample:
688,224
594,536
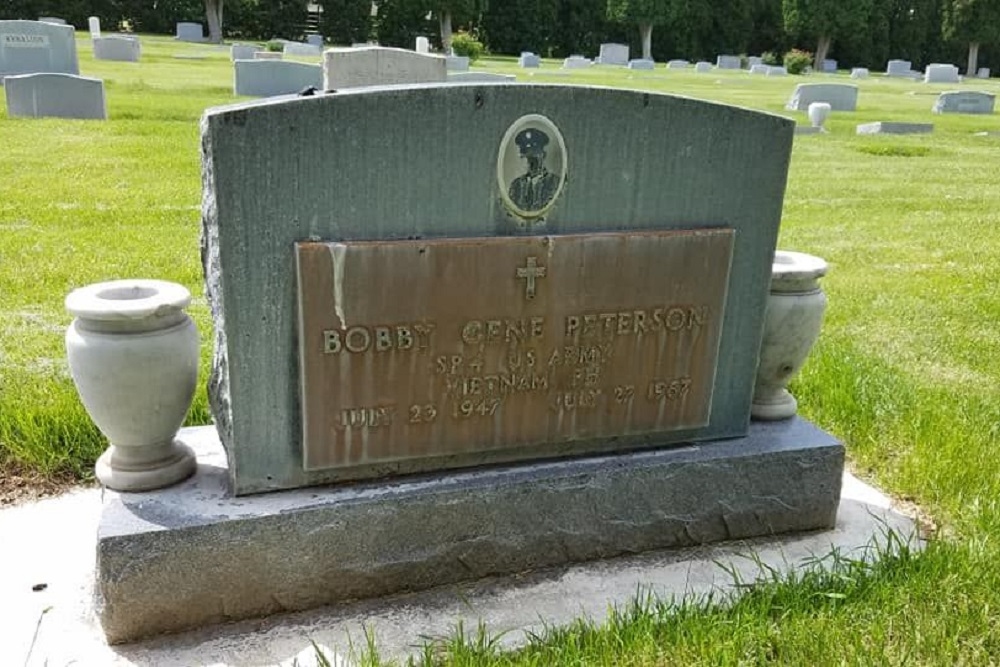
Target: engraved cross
530,272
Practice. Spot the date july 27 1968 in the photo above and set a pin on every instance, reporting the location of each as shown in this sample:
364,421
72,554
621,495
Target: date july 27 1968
495,359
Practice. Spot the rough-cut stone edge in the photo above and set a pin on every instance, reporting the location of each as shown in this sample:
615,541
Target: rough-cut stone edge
191,555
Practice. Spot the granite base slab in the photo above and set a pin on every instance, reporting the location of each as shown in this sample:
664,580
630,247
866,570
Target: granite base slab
192,555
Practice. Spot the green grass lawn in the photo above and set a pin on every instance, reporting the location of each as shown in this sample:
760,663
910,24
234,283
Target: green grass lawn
907,371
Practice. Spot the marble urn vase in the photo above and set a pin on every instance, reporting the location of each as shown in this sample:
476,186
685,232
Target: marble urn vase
133,354
795,308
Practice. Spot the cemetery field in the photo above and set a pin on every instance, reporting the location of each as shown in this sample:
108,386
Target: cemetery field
906,371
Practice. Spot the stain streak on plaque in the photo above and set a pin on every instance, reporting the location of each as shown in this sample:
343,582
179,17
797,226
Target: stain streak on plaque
414,349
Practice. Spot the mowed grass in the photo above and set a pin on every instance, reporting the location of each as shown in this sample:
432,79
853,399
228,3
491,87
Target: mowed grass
906,372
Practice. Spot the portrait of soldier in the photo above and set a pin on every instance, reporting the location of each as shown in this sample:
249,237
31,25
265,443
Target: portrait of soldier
534,189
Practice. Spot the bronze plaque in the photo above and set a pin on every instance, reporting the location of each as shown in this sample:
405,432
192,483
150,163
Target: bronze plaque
413,349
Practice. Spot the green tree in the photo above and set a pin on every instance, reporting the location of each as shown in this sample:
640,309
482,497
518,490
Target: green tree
825,21
213,12
514,26
973,22
449,12
346,21
644,13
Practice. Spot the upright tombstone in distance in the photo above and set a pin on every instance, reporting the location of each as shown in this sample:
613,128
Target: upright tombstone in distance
404,279
613,54
117,47
190,32
965,101
33,47
840,96
55,96
380,66
266,78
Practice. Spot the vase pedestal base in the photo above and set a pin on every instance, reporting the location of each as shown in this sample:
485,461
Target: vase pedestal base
177,464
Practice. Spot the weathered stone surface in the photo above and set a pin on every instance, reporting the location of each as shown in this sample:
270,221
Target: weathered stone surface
217,559
529,60
243,51
728,62
965,101
34,47
457,63
941,73
380,66
302,49
899,68
577,62
125,49
642,64
895,127
265,78
55,96
283,171
613,54
480,77
840,96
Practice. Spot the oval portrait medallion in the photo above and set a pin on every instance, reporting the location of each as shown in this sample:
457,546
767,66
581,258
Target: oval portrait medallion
531,166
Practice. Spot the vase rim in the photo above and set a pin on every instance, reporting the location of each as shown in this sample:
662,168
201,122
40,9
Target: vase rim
789,265
129,299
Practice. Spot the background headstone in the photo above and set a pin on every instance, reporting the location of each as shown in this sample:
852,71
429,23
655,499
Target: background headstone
642,64
52,19
895,127
830,66
840,96
754,60
965,101
94,24
268,55
303,50
983,73
775,70
859,73
728,62
315,40
379,66
529,59
577,62
678,64
941,73
30,47
703,67
423,45
55,96
115,47
264,78
899,68
480,77
243,51
613,54
190,32
759,69
457,63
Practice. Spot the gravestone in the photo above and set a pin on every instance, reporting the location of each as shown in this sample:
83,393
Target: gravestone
268,55
899,68
703,67
859,73
265,78
529,60
404,279
775,70
830,66
577,62
728,62
457,63
480,77
965,101
315,40
642,64
302,50
423,45
52,19
243,51
30,47
983,73
678,64
94,24
115,47
754,60
895,127
190,32
759,69
613,54
55,96
840,96
941,73
379,66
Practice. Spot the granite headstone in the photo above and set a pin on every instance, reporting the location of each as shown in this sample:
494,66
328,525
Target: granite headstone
613,54
965,101
266,78
840,96
117,47
55,96
31,47
379,66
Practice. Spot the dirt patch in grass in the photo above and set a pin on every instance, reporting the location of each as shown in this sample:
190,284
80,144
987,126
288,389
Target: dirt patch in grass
19,485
